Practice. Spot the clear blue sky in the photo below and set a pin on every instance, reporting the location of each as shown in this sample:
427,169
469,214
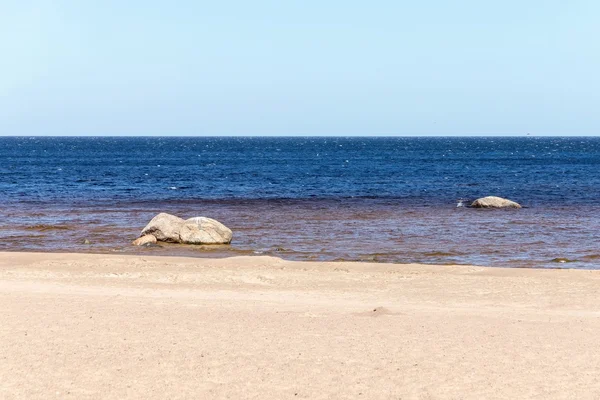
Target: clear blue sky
327,67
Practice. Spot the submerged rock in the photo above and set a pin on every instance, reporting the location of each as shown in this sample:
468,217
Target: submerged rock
151,245
202,230
144,240
494,202
165,227
562,260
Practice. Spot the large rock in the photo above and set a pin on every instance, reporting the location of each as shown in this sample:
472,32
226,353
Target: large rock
202,230
144,240
494,202
165,227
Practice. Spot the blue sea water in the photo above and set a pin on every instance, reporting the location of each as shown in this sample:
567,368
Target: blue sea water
381,199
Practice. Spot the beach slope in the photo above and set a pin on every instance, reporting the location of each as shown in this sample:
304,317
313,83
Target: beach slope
113,326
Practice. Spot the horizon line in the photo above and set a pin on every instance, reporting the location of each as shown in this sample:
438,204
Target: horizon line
306,136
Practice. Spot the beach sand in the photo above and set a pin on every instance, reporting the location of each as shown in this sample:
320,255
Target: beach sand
113,327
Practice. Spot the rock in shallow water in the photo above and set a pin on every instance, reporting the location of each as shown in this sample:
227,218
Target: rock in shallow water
198,230
562,260
144,240
202,230
494,202
165,227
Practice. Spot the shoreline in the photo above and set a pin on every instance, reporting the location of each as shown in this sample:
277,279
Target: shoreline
223,252
86,325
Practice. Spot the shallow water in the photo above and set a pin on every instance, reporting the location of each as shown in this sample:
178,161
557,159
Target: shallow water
388,199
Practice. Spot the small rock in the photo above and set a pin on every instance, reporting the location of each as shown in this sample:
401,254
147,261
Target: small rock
562,260
144,240
494,202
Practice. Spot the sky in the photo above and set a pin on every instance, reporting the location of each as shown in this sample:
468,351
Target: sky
326,67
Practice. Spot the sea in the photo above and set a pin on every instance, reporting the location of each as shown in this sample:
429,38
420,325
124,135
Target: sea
371,199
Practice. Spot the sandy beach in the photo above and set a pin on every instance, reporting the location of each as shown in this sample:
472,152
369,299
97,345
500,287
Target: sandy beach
113,327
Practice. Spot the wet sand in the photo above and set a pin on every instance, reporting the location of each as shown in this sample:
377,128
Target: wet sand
113,326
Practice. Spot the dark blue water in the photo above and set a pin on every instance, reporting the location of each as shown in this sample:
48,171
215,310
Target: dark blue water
381,192
535,171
